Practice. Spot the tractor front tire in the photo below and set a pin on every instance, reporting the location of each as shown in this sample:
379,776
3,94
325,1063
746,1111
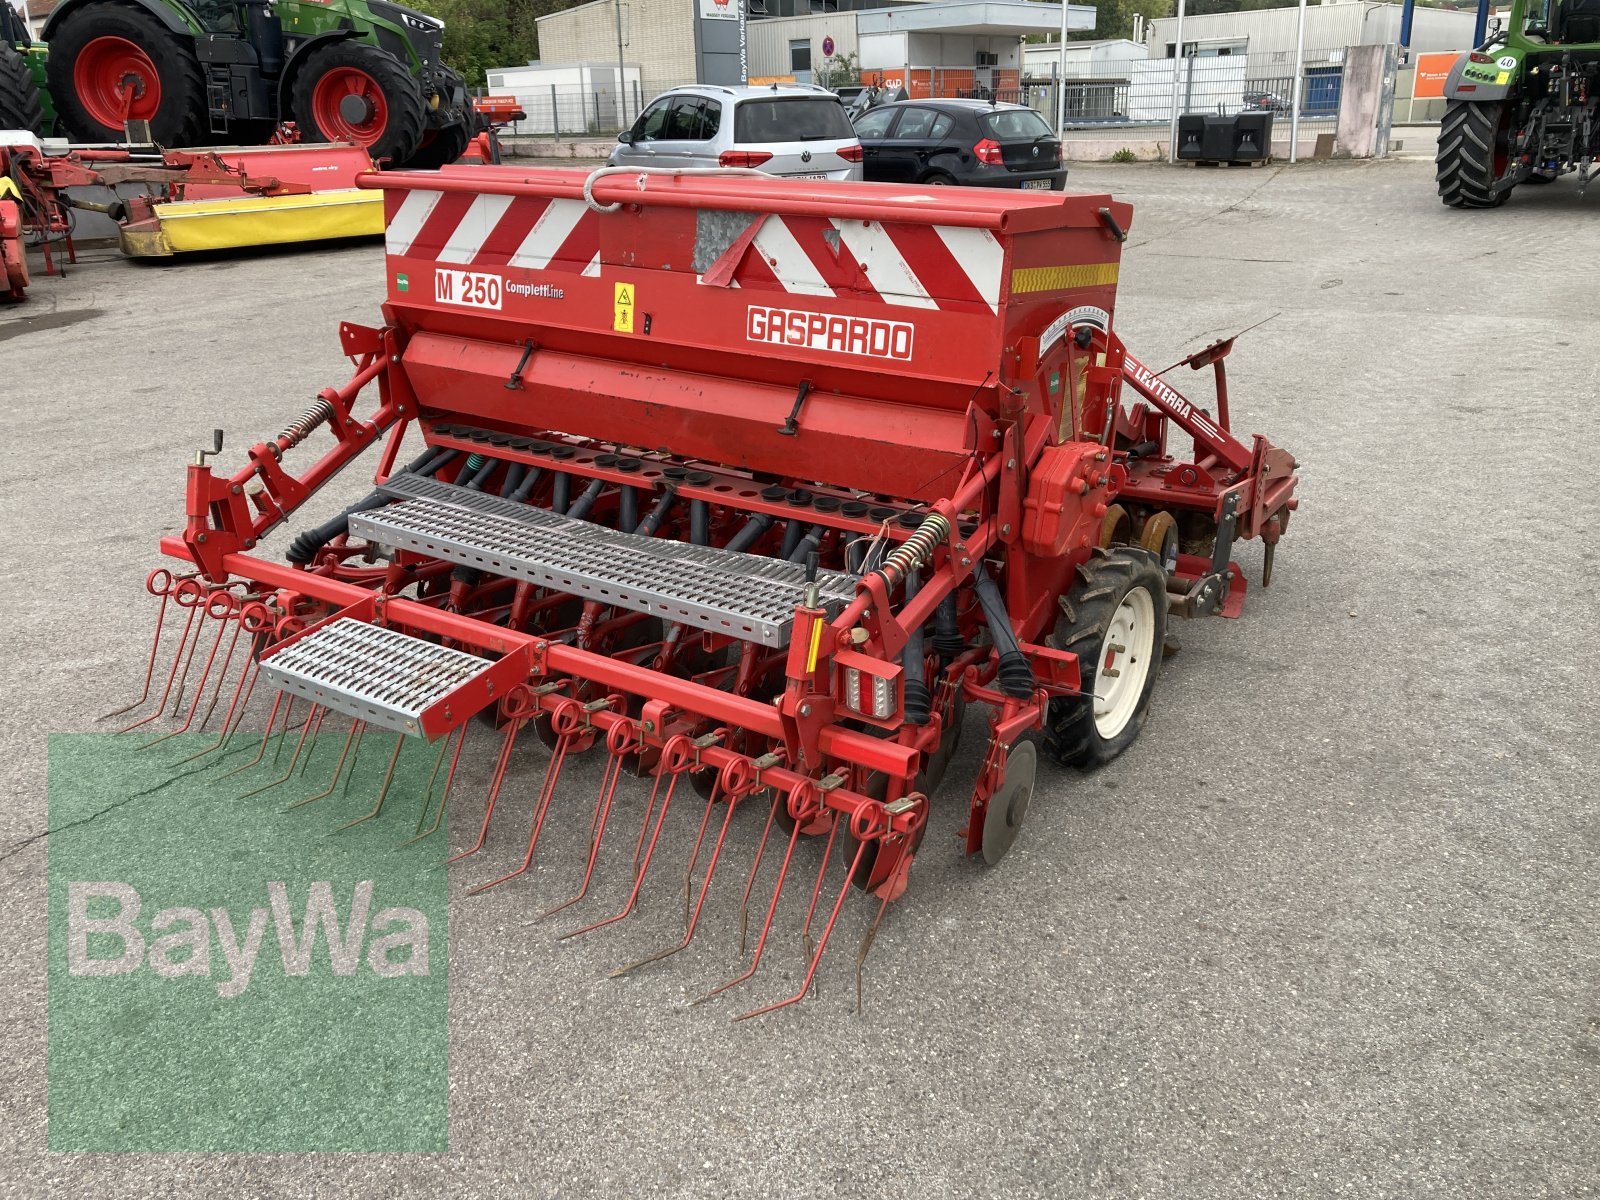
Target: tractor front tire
441,147
1115,620
110,63
1471,155
19,99
352,92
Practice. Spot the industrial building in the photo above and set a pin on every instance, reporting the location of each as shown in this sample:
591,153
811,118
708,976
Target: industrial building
1273,31
932,47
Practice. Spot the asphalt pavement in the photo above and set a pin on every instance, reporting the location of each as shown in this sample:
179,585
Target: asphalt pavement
1326,930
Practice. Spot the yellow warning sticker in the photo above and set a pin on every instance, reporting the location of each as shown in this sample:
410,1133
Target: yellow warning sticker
1063,278
622,308
1502,77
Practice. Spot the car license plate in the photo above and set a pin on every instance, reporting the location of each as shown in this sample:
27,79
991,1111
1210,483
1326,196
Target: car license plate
808,175
1042,185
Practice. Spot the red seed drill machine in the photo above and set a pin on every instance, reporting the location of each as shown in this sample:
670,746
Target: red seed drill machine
745,482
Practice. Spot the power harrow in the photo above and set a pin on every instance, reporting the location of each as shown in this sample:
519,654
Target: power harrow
758,487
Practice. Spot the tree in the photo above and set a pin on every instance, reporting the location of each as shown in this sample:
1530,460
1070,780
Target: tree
480,35
1114,18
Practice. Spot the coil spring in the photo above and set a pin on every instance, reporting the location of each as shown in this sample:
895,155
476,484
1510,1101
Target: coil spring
300,428
917,548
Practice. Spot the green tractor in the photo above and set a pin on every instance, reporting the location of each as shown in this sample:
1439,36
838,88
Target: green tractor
208,72
24,100
1525,106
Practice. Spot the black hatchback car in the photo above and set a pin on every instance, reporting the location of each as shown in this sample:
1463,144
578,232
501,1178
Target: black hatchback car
970,142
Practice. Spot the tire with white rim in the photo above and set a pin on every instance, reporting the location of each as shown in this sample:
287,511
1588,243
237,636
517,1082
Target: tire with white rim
1115,620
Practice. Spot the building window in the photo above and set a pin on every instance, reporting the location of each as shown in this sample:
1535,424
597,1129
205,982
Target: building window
799,56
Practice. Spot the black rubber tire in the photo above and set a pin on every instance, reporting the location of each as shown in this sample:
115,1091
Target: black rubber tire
937,179
1071,735
440,147
1469,140
402,133
19,98
181,118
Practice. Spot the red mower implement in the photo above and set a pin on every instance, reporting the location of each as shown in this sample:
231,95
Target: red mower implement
738,481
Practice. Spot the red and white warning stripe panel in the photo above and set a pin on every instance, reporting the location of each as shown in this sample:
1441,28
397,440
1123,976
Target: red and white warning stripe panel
906,266
909,266
493,231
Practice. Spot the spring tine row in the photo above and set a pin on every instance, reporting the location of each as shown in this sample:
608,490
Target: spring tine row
673,776
772,909
357,728
172,675
494,790
597,830
266,736
383,791
558,758
317,711
155,646
827,932
444,796
692,922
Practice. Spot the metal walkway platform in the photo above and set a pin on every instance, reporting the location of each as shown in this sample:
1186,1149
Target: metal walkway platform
746,596
385,678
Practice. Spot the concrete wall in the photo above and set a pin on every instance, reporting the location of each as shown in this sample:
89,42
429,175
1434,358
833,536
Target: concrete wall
1344,24
1366,102
658,36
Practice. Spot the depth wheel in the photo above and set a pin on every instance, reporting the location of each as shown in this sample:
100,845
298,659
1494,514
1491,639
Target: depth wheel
1474,152
352,92
110,64
19,98
1115,621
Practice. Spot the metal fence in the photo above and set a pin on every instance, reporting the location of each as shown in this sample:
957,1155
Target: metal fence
1141,91
566,112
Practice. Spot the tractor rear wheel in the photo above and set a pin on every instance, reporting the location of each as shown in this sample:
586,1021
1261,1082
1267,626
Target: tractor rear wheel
19,99
1474,152
353,92
1115,621
111,64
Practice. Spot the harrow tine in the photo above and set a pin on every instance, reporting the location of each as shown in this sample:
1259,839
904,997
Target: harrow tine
188,663
205,674
541,808
254,618
866,944
356,727
383,791
694,854
675,772
318,710
692,922
620,740
494,791
772,909
165,592
822,945
750,882
265,736
444,796
172,675
316,733
222,678
816,891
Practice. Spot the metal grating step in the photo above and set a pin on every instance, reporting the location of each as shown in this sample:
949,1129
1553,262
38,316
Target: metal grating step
376,675
746,596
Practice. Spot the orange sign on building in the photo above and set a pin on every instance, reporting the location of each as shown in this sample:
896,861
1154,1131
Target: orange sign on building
1432,71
